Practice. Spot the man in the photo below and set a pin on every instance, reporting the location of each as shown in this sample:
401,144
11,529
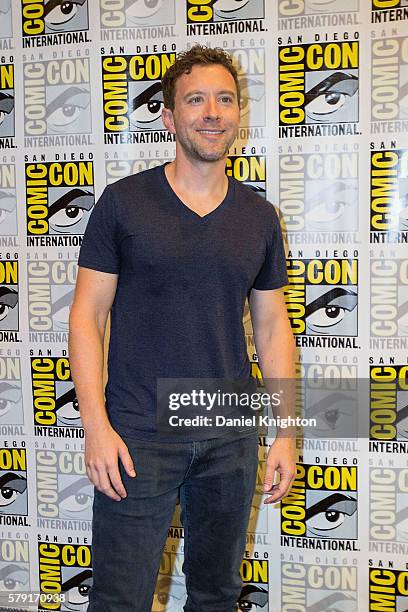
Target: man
173,252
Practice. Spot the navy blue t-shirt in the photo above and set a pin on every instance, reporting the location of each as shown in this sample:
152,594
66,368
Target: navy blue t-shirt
183,281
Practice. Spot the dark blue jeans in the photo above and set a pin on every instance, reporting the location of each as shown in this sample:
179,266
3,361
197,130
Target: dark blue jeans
215,480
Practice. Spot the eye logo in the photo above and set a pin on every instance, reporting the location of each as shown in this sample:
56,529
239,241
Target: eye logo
170,595
389,193
6,26
9,319
53,16
57,98
51,377
71,577
388,585
255,578
146,107
13,482
322,297
388,403
132,93
332,99
11,404
60,197
316,7
14,578
252,597
205,11
7,121
137,13
322,503
68,110
318,86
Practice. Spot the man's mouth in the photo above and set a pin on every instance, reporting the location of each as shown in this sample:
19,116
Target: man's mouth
211,131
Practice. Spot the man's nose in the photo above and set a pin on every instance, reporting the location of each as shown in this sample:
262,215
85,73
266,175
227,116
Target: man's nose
211,110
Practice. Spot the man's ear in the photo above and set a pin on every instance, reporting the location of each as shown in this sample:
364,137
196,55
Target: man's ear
168,121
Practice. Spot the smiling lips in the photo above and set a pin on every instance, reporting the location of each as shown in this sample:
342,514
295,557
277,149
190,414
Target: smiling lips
211,131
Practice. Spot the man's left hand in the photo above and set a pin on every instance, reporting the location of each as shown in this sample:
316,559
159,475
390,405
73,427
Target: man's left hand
281,458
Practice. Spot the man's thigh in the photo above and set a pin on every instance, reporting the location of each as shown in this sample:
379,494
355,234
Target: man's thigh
128,536
216,502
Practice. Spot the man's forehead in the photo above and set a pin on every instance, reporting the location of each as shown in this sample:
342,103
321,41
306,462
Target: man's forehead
199,72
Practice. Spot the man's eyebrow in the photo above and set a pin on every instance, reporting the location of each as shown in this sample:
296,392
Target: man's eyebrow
199,91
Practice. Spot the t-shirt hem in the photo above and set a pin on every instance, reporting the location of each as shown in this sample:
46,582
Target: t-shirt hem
269,286
97,266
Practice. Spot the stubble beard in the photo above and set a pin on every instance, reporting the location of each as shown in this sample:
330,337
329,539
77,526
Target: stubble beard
200,153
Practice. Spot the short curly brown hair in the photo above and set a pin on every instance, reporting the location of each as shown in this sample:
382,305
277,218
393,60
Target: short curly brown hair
198,55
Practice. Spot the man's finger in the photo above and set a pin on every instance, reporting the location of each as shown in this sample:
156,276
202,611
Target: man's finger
280,490
93,477
116,480
127,461
277,494
269,475
106,487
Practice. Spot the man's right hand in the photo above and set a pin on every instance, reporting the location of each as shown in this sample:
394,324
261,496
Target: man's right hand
103,449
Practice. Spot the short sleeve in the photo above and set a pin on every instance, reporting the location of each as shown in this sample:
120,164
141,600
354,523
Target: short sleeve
272,274
100,249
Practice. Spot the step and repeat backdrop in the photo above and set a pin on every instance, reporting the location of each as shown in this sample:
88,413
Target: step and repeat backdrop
324,137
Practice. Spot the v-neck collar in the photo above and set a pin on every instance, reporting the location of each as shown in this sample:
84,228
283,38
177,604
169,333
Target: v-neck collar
188,211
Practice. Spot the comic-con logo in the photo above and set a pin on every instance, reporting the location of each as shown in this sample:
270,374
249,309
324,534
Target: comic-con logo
54,397
388,300
57,97
52,16
9,277
388,505
311,587
255,590
6,19
328,394
323,8
59,197
389,402
7,115
13,484
116,168
63,490
132,92
250,170
8,200
322,297
388,589
170,594
65,576
318,192
14,567
389,81
318,88
11,397
136,13
389,195
212,11
51,286
250,66
388,10
322,503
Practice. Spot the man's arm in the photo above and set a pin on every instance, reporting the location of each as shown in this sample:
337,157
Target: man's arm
276,352
94,295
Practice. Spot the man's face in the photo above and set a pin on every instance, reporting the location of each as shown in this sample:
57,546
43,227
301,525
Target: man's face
205,118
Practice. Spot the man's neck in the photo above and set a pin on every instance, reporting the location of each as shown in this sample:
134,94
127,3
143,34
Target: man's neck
198,178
